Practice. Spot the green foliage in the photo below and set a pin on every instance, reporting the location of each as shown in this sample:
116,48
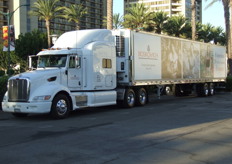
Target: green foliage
175,26
74,13
159,20
13,59
2,73
207,32
117,21
30,44
229,83
3,88
46,10
137,17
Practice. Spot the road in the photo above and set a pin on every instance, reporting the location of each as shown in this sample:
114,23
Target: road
187,130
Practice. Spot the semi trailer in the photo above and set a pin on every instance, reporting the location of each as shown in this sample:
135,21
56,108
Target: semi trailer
91,68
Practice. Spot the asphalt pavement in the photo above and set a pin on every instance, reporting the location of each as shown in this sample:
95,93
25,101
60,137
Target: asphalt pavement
187,130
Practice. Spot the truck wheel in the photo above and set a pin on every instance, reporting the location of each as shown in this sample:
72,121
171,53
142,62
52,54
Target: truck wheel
168,90
60,106
202,90
178,91
211,89
20,115
129,99
141,97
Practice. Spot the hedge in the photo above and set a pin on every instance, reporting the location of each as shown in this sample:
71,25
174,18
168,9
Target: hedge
3,88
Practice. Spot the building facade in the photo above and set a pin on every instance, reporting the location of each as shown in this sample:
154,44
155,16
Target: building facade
25,23
171,7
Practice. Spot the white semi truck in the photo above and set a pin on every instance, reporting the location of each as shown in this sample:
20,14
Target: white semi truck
90,68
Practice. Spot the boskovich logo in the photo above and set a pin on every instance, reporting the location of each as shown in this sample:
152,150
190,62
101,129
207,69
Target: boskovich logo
148,54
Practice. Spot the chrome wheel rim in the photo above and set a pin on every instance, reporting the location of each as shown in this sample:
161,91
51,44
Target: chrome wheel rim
61,107
142,97
131,99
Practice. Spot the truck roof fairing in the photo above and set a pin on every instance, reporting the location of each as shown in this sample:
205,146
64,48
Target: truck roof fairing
78,39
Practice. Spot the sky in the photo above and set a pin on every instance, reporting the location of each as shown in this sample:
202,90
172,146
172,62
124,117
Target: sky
213,15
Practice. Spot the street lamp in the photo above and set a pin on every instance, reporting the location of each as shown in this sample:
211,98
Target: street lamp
9,15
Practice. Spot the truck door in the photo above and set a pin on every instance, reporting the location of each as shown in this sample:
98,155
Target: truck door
74,72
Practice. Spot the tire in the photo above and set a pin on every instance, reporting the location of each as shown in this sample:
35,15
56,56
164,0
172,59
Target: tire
168,90
129,99
202,90
141,97
60,106
178,91
211,89
20,115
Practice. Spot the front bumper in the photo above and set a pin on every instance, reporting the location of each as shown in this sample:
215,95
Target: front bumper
35,107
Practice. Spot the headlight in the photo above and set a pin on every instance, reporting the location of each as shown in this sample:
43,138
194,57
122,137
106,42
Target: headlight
42,98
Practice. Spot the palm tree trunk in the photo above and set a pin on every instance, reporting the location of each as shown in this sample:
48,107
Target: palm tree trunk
77,26
226,6
109,14
193,6
228,20
48,32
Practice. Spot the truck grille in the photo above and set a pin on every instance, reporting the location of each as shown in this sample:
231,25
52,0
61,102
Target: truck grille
18,90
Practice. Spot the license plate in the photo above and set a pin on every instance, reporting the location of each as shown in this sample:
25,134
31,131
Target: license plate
17,110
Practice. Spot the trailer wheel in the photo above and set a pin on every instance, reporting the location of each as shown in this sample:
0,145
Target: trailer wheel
141,97
178,91
60,106
211,89
129,99
202,90
168,90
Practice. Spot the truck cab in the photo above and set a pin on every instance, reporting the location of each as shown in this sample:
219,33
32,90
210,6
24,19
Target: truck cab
78,71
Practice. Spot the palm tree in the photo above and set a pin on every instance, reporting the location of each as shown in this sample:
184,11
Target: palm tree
159,19
176,26
109,14
74,13
46,10
137,16
193,19
217,35
226,6
204,32
117,21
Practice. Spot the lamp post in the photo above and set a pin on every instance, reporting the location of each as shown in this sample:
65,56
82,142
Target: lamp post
8,16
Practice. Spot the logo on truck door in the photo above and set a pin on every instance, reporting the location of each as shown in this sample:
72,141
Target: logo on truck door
147,54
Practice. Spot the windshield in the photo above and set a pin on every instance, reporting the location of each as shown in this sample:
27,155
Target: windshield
52,61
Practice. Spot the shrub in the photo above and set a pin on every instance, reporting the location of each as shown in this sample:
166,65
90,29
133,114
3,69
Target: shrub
2,73
229,83
3,88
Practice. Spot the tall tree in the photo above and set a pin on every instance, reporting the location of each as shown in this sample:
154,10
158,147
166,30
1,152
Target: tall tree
137,16
176,26
159,19
226,5
204,32
109,14
46,10
117,21
74,13
30,43
193,19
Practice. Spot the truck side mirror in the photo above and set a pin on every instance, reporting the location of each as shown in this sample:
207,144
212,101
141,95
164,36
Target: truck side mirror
32,62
